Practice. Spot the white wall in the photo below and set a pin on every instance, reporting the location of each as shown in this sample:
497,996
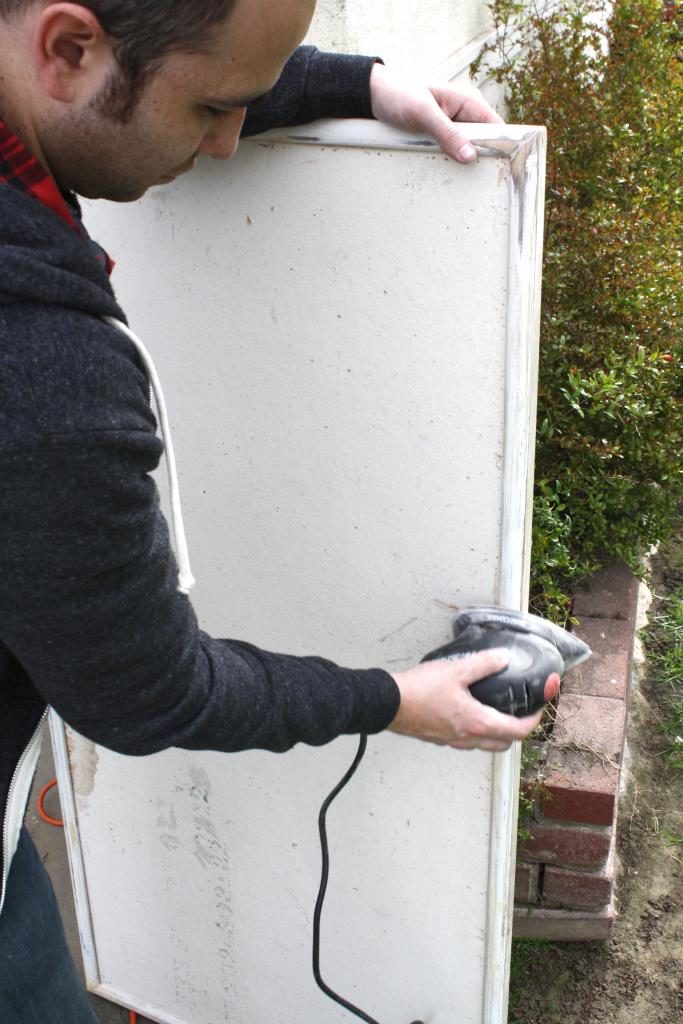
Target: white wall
414,35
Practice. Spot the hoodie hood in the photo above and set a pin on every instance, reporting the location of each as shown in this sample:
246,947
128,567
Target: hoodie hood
42,259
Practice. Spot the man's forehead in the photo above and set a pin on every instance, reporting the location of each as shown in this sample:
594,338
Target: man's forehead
245,54
258,27
217,81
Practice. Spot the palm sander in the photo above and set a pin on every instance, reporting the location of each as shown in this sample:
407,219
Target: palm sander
537,649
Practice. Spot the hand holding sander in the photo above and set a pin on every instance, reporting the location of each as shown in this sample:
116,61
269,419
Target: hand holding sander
538,648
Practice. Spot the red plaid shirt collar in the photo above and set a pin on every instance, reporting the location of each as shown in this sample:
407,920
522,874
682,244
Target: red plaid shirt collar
20,169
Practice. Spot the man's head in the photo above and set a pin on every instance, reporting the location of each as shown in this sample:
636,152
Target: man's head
142,33
117,95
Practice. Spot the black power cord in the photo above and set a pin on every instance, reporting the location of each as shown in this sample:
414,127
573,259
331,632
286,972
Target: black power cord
322,829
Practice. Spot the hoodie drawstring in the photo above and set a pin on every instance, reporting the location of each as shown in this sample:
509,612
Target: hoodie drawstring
185,578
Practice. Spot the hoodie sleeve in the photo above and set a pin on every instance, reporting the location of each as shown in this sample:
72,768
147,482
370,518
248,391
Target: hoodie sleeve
312,85
88,589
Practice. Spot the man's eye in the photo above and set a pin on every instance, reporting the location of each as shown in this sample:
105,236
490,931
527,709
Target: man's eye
216,111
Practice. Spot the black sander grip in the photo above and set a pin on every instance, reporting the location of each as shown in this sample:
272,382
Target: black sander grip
537,649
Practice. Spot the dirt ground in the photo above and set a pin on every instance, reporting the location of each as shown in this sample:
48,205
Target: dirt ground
636,977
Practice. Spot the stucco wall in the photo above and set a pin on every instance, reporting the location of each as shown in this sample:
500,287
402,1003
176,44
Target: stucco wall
414,35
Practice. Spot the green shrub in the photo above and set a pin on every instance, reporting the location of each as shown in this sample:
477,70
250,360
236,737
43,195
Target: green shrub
607,81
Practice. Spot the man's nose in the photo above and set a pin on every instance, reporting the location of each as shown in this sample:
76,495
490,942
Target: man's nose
222,138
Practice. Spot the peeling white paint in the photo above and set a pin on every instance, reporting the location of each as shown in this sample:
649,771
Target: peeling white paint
84,769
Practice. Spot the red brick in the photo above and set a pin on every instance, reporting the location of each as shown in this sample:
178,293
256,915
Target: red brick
526,883
577,889
563,925
607,672
581,777
568,845
609,594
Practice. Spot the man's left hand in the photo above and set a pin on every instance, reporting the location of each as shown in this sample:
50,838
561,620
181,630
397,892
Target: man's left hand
407,103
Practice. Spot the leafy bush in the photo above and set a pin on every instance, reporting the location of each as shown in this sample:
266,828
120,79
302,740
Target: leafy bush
607,81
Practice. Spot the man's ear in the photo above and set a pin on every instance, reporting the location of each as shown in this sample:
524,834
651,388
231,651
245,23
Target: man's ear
73,53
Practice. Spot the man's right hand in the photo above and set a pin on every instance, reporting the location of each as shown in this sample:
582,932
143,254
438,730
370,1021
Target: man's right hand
437,706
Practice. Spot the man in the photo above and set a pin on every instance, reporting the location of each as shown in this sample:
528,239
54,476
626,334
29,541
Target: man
105,99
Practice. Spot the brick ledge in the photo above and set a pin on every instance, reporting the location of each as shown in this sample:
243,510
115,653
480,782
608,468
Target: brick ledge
566,869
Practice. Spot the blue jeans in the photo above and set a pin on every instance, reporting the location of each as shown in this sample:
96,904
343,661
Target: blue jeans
39,983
